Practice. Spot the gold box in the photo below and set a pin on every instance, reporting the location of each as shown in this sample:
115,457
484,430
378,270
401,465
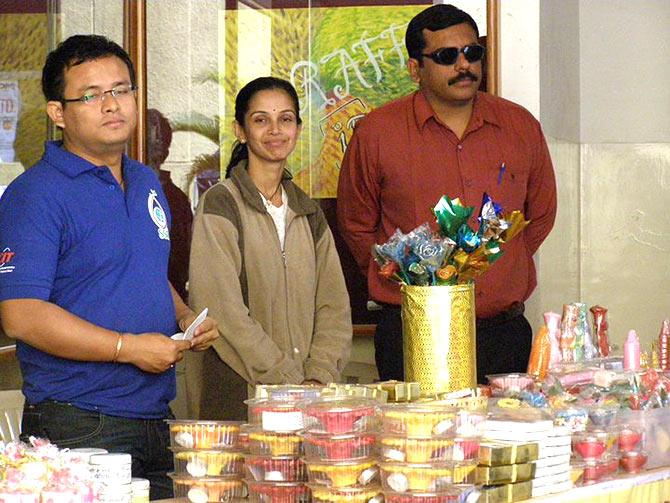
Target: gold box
398,391
507,493
357,390
502,453
504,474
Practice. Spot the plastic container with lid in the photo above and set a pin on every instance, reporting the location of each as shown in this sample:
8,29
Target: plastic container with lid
633,461
206,463
426,477
78,460
84,453
275,415
593,444
596,470
338,415
275,443
284,492
111,469
343,473
288,391
338,447
277,469
243,437
352,494
510,385
116,493
140,489
419,419
190,434
204,489
575,418
602,416
630,438
415,449
457,493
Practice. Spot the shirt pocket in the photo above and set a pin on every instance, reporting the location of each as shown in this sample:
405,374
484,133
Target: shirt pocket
507,184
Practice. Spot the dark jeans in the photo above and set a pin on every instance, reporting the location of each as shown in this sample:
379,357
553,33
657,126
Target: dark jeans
503,345
146,440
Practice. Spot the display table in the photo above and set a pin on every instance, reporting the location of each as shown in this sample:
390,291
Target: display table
652,486
647,487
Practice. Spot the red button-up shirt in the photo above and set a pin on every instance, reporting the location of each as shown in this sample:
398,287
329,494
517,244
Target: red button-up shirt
402,159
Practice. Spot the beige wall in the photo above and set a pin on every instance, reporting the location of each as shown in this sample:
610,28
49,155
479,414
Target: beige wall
606,109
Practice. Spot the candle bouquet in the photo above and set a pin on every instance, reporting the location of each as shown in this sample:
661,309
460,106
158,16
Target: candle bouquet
456,254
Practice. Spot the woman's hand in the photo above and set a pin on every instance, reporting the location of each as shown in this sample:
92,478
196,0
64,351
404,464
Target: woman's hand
204,335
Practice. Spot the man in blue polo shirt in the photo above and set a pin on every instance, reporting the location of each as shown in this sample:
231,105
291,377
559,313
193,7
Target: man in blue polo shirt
83,279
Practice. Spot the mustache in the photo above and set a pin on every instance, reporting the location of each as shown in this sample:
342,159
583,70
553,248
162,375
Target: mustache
462,76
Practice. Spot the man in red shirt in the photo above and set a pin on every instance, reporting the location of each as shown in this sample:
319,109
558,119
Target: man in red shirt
448,138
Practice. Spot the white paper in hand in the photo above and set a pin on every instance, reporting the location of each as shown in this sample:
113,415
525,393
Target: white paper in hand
190,331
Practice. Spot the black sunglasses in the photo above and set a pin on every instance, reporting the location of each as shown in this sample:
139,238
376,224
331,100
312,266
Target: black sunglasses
449,55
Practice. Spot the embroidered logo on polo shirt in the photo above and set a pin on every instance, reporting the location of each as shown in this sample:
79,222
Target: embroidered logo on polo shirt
158,215
6,257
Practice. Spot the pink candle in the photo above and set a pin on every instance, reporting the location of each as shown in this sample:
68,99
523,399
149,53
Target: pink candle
631,352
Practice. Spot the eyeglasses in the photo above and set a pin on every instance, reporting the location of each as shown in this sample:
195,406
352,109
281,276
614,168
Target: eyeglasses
449,55
92,98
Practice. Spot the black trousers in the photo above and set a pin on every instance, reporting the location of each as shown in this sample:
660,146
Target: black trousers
503,346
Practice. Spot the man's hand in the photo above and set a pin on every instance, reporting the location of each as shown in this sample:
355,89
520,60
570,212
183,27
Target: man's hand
151,352
204,335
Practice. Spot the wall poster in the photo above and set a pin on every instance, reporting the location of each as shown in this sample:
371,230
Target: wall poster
343,57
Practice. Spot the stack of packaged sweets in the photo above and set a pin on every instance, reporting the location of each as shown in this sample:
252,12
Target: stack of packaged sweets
508,456
274,468
505,470
339,448
428,452
552,468
208,460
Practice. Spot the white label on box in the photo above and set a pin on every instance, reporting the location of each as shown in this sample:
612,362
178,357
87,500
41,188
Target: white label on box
281,421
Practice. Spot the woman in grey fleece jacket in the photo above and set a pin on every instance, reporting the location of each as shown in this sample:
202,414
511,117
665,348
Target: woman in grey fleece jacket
263,261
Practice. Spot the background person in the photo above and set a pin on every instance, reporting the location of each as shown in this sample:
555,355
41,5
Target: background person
86,290
159,138
264,261
448,138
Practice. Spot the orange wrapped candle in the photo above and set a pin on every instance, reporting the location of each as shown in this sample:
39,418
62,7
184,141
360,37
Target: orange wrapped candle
540,354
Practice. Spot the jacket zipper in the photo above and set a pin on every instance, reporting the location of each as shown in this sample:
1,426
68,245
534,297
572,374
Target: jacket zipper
291,346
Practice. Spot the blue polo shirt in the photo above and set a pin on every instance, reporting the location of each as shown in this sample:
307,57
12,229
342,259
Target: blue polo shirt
69,235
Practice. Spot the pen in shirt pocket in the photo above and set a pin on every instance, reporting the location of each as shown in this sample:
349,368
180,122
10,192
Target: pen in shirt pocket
501,172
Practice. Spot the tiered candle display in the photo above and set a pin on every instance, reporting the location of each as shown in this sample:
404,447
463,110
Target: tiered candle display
428,451
340,449
208,460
